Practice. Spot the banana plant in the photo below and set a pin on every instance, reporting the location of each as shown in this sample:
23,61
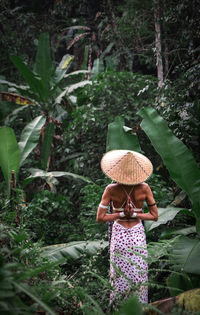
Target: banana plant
45,88
45,85
13,155
185,172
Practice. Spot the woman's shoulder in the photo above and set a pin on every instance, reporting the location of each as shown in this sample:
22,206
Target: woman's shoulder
112,186
143,186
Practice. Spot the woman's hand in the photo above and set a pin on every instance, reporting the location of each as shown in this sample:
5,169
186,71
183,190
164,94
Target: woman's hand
129,210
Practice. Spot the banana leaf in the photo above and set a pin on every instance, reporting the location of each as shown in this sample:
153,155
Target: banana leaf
9,154
30,136
63,67
98,67
35,173
185,231
46,146
73,250
70,89
185,255
120,137
36,85
43,62
164,215
176,156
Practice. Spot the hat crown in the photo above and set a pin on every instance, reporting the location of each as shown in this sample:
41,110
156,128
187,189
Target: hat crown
126,167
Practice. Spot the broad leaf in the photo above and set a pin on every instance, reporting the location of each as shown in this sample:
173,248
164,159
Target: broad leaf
178,283
40,173
70,89
186,255
121,137
63,67
30,136
72,250
9,153
15,98
98,67
185,231
46,146
164,215
43,63
35,84
176,156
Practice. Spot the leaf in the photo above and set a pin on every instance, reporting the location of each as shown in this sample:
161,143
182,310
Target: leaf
15,98
40,173
129,305
30,136
98,67
72,250
46,146
178,282
176,156
9,154
27,290
34,83
63,67
184,231
43,63
185,255
70,89
164,215
119,138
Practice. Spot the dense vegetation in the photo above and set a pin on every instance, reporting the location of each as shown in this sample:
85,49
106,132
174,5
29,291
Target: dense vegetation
73,74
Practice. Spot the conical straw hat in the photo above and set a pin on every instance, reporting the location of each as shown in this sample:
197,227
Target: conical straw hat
126,167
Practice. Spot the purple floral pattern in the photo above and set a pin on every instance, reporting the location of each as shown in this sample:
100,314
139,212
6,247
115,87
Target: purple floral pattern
128,253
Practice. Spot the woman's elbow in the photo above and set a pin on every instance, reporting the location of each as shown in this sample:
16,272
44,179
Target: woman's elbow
99,219
155,218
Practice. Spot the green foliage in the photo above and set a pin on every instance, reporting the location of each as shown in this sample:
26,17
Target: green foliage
111,94
186,255
49,218
172,150
121,137
90,196
164,215
74,250
30,137
9,154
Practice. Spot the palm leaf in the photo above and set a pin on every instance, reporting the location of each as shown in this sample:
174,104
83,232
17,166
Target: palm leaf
120,137
30,136
176,156
9,153
72,250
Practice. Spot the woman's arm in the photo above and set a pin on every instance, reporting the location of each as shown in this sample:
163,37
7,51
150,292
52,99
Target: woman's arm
102,216
153,211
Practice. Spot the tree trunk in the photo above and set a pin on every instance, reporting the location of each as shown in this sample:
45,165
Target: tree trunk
158,44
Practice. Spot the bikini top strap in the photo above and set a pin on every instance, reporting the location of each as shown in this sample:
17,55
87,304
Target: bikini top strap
128,196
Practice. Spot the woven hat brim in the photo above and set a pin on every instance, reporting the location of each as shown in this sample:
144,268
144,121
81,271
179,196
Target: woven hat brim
126,167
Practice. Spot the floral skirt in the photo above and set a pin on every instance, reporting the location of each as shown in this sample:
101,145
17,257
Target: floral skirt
128,266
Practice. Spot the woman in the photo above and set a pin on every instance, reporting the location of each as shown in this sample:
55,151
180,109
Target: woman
128,253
